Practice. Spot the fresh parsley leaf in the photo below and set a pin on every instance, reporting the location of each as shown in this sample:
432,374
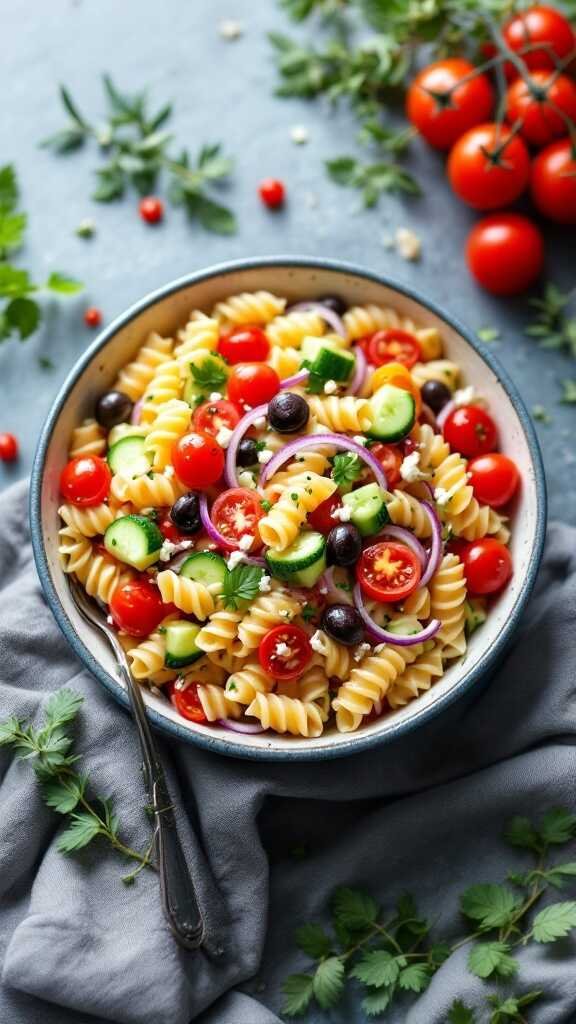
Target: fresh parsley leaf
372,179
242,583
555,921
488,958
14,282
328,982
8,188
111,182
414,978
308,612
377,968
63,794
82,830
8,731
520,832
346,468
312,940
213,216
354,909
62,284
459,1013
491,905
558,826
509,1010
375,1003
557,875
298,991
210,374
12,228
265,505
62,707
22,315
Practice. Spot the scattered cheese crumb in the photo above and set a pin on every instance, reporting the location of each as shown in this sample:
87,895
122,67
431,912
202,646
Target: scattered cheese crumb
285,613
246,479
361,651
245,542
235,558
299,134
265,584
330,387
167,550
109,620
223,437
442,496
282,650
409,470
260,423
214,397
230,29
343,513
264,456
467,396
169,471
408,244
322,588
318,642
359,438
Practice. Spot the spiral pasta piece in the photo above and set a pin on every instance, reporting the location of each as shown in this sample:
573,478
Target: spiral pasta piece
336,657
340,415
416,679
147,658
303,494
219,632
90,522
74,549
250,308
285,361
215,703
442,370
313,684
134,378
432,447
290,330
447,603
286,714
165,386
361,320
450,481
172,422
476,521
201,332
224,659
152,491
369,682
405,510
305,462
266,611
243,685
101,576
88,439
418,604
188,595
430,341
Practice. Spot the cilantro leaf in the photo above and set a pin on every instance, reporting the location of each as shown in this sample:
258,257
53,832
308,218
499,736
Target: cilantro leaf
459,1013
8,731
328,982
377,968
346,468
555,921
82,830
63,285
242,583
298,990
354,909
491,905
487,958
209,374
312,940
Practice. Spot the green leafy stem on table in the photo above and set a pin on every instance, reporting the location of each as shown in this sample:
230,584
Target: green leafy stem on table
392,955
136,144
19,312
64,789
554,328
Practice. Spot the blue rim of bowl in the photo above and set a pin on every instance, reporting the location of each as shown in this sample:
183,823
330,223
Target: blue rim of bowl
352,743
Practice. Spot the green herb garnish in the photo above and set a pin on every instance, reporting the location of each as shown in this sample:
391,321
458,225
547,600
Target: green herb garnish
242,583
488,334
568,392
309,611
266,505
372,179
346,468
209,374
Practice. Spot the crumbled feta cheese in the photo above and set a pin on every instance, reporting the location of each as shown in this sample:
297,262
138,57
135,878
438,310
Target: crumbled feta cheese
299,134
330,387
361,651
265,584
359,438
246,479
235,558
408,244
214,397
264,456
223,437
230,29
247,407
442,496
285,613
343,513
167,550
467,396
409,470
260,423
109,620
282,650
318,642
245,542
169,471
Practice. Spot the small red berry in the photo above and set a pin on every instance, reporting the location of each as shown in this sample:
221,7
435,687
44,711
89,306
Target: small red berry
92,317
271,192
8,448
151,209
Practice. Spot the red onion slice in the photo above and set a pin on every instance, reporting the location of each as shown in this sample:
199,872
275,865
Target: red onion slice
436,549
444,414
136,414
331,318
295,379
405,537
382,635
312,441
360,371
230,470
213,533
251,728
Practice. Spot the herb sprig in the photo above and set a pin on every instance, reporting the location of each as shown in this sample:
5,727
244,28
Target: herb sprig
136,144
64,789
391,952
554,328
20,314
346,468
242,583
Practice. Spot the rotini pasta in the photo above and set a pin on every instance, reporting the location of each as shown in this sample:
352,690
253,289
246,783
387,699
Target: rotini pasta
165,386
134,378
171,422
443,370
447,597
243,685
250,308
286,714
290,330
88,439
342,414
88,521
188,595
219,632
266,611
416,679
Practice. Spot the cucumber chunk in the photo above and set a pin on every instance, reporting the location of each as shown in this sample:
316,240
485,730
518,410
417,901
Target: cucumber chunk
306,552
393,413
135,540
368,504
308,577
204,567
128,456
324,358
181,647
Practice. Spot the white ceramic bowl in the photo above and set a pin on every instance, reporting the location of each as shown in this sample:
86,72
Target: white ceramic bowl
297,279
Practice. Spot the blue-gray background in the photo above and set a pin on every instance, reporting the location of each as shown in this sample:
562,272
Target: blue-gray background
222,91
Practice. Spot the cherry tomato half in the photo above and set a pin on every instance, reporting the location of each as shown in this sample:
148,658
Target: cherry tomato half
85,480
252,384
197,459
236,513
554,182
284,652
246,344
137,607
537,104
321,518
8,448
393,346
470,431
388,571
440,108
544,25
487,565
184,697
489,167
211,416
505,253
390,458
494,478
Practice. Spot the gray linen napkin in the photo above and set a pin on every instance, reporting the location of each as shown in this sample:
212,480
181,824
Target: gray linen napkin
424,814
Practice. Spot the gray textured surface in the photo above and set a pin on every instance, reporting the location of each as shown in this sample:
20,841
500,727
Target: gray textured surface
222,90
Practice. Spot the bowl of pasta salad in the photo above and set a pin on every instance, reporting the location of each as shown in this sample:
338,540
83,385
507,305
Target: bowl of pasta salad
311,505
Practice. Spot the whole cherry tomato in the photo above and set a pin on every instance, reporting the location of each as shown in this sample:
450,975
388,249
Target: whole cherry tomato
537,104
8,448
489,167
487,565
505,253
252,384
247,344
137,607
554,182
494,477
272,192
85,480
92,317
151,209
198,460
446,99
470,430
539,25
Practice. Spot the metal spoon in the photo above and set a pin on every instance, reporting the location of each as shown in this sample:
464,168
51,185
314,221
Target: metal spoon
179,900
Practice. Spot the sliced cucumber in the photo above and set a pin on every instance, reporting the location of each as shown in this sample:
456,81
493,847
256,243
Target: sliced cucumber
128,456
324,358
308,577
393,413
306,551
181,644
135,540
204,567
368,505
